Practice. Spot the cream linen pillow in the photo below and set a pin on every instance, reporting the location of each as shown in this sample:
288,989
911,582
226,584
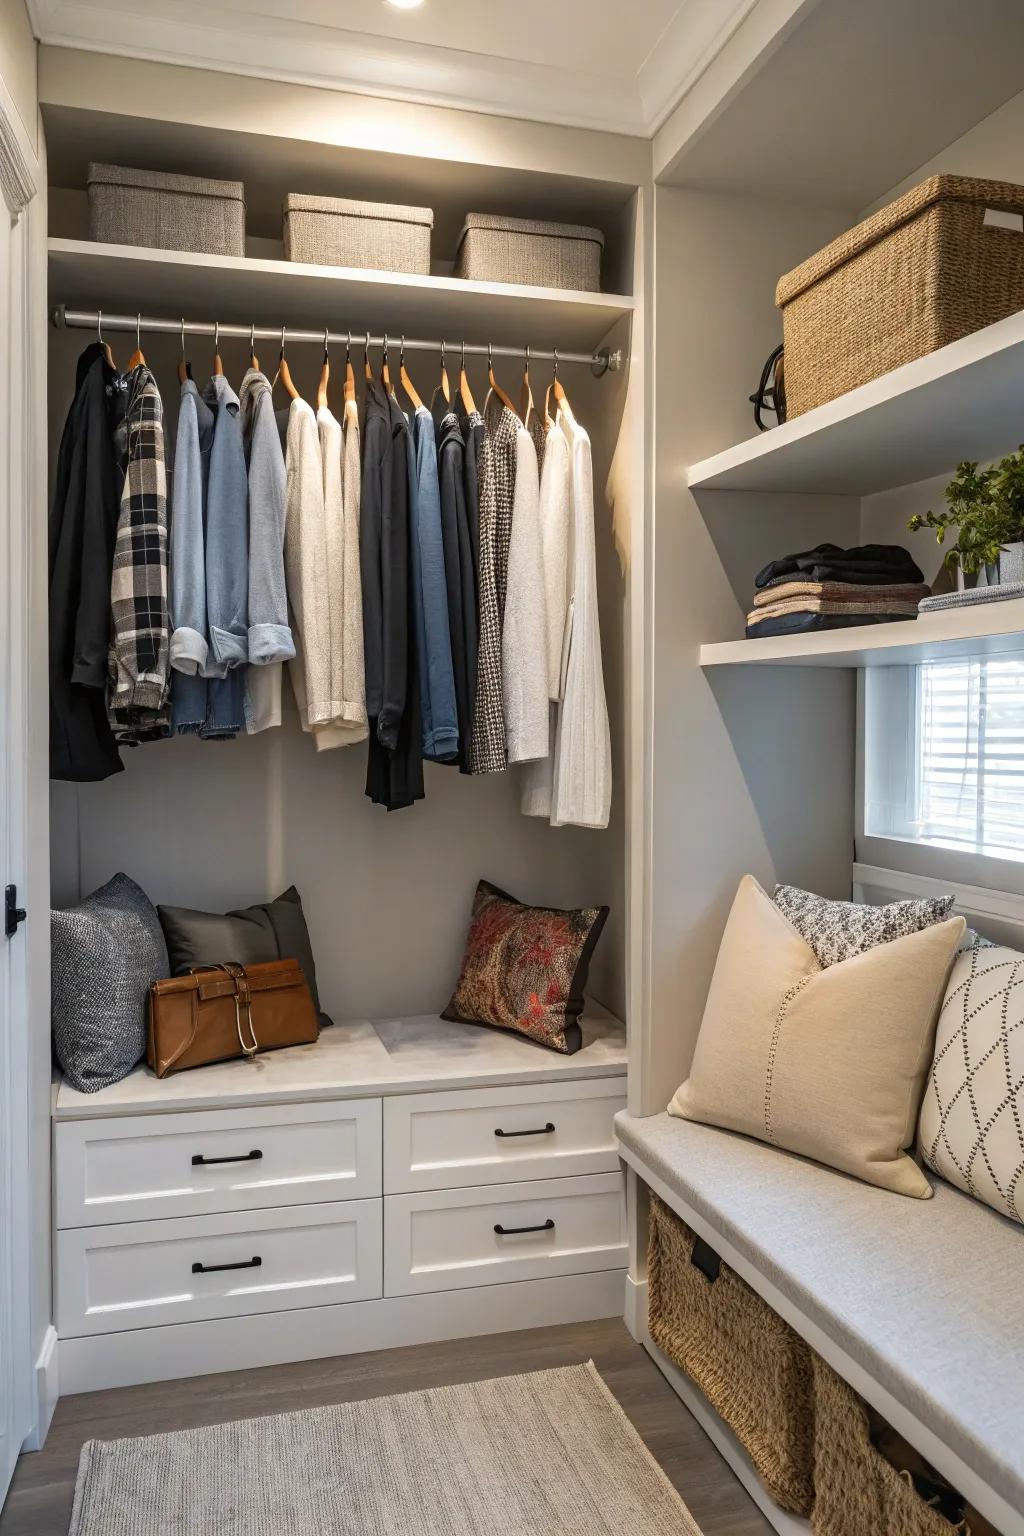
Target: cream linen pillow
827,1063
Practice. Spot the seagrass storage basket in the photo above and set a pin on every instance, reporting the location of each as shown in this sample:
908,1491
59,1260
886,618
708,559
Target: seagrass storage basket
943,260
343,232
166,212
857,1490
497,249
750,1365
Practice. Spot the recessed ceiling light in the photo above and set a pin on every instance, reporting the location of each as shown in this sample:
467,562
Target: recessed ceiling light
405,5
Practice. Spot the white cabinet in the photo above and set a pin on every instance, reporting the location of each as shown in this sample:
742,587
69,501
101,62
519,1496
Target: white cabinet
138,1167
313,1214
493,1135
197,1267
453,1238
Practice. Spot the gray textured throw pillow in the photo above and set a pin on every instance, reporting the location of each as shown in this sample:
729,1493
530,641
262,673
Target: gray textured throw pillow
105,955
837,930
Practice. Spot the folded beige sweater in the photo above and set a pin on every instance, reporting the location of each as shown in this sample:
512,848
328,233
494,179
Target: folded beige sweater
841,592
819,605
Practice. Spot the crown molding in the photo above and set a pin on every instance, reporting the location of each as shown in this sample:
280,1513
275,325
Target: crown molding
304,53
693,39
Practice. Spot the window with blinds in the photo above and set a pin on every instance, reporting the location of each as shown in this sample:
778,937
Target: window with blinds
945,755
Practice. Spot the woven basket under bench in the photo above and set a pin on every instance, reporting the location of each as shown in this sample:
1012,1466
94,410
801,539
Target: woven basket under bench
945,259
750,1365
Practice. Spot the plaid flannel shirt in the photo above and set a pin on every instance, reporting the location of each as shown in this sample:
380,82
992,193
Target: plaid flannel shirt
139,683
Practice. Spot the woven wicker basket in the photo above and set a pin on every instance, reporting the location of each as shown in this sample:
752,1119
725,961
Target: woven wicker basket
166,212
342,232
856,1489
749,1364
919,274
496,249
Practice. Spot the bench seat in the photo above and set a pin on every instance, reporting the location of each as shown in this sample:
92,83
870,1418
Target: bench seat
926,1297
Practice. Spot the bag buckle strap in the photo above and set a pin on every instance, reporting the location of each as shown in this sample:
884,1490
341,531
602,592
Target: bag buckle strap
243,1009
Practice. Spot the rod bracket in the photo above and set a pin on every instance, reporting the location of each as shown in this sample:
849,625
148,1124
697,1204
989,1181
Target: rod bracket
606,361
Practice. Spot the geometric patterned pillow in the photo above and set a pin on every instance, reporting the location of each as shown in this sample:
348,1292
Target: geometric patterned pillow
971,1130
838,930
525,968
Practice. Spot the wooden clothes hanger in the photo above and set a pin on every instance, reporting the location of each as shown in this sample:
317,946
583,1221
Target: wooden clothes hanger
446,388
284,373
367,365
464,389
385,371
350,377
218,364
492,381
526,404
555,387
405,380
325,376
254,361
137,356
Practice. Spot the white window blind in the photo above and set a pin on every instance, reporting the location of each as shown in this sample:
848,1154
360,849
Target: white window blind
952,775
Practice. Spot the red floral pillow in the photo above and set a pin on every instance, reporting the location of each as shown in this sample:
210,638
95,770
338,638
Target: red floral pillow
525,968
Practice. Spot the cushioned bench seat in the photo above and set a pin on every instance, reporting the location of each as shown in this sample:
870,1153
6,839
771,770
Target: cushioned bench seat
925,1296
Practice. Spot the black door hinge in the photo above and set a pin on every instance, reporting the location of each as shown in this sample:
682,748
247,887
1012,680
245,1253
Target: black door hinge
13,914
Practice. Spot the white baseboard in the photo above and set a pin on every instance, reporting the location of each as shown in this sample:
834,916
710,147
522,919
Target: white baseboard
47,1390
312,1333
636,1308
727,1445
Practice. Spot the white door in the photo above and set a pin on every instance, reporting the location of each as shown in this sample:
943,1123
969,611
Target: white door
19,334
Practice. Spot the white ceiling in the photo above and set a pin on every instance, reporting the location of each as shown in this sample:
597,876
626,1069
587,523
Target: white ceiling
592,63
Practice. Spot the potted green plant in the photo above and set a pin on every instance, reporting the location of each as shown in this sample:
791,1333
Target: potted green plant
986,509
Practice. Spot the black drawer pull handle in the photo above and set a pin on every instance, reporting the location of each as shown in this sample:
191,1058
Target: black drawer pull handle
213,1269
199,1161
542,1130
545,1226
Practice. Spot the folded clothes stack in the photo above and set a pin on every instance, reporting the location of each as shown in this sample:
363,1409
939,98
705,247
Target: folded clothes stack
832,588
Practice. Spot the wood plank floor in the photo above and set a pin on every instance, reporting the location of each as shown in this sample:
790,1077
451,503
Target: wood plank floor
39,1502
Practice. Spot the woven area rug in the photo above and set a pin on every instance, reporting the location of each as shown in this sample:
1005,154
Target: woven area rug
548,1454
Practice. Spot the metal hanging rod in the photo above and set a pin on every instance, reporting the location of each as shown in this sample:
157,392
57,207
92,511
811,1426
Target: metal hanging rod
599,363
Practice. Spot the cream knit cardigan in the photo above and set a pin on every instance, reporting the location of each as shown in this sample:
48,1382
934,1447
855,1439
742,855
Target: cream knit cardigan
524,647
556,542
339,454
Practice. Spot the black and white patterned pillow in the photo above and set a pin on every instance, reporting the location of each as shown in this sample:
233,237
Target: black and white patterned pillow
836,930
105,955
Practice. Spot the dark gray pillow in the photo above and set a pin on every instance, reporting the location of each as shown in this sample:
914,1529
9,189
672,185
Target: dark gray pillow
272,930
837,930
105,955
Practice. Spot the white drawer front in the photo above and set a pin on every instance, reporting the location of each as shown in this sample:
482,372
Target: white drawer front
141,1167
448,1240
142,1274
496,1135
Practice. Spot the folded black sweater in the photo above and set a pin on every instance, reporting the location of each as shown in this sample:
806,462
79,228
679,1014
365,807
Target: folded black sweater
866,564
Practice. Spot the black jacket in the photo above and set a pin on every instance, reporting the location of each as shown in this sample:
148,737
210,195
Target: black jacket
83,525
394,776
459,567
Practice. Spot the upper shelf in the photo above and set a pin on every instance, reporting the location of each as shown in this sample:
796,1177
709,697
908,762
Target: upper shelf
86,274
985,629
965,401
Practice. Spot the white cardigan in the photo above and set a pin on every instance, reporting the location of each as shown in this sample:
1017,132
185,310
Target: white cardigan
582,791
524,652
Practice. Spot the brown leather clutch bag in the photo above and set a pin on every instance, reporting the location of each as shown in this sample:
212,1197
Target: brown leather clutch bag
227,1011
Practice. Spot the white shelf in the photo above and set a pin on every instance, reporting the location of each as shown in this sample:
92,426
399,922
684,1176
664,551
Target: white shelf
983,630
965,401
362,1059
86,274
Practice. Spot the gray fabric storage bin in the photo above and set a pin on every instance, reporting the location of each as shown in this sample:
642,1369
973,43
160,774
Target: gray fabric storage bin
496,249
165,211
343,232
